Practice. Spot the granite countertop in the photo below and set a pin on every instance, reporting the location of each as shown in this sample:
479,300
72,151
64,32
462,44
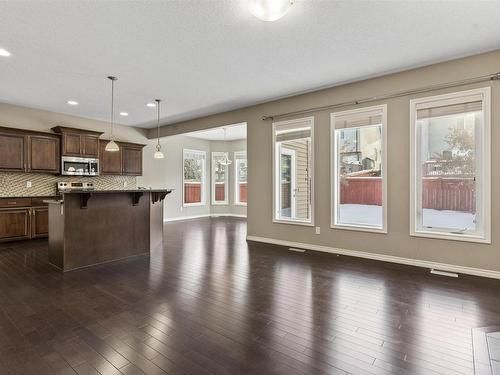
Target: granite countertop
118,191
29,196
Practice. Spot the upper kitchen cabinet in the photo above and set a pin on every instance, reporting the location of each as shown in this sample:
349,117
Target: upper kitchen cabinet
25,151
44,154
79,142
110,163
132,159
127,161
12,152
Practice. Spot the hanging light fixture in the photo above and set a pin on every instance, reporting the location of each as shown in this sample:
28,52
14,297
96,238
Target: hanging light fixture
225,160
112,146
158,154
269,10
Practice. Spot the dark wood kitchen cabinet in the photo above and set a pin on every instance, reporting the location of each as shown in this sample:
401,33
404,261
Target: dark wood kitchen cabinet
12,152
110,163
79,142
24,151
43,154
23,218
127,161
39,222
132,159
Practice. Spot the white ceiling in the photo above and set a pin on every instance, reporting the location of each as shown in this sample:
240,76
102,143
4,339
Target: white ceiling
233,133
203,57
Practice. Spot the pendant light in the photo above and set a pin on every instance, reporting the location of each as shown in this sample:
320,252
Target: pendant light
269,10
111,146
225,160
158,154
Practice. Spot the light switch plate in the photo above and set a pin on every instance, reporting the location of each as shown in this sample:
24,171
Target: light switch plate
318,230
124,183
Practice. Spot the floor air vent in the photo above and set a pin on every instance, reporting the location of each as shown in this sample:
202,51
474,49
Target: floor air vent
296,250
443,273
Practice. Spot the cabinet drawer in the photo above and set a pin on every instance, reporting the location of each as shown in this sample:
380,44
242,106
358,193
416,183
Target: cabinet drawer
15,202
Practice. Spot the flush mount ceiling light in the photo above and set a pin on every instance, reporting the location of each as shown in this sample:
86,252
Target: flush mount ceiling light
151,105
72,102
123,113
4,52
158,154
269,10
111,146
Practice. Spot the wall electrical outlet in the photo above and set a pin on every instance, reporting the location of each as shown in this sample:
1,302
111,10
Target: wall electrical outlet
318,230
29,184
125,184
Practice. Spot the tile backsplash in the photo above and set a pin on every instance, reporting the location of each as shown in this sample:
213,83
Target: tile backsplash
15,184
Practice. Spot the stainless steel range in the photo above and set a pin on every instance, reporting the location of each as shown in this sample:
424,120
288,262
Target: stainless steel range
72,186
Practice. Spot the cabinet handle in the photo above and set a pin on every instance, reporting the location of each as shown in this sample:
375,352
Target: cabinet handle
11,202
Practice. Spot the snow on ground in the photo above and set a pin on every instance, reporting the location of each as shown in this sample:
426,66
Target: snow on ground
359,214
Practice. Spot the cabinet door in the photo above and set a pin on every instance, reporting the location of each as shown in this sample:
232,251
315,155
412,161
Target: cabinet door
44,154
110,162
72,144
12,152
39,222
14,224
90,146
132,161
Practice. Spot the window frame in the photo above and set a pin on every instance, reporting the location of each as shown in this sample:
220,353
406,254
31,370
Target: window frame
334,180
203,178
483,148
295,123
225,202
237,156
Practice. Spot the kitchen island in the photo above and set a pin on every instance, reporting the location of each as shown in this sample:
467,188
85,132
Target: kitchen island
98,226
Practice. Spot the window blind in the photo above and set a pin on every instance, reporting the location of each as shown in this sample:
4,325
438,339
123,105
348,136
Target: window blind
356,120
448,110
291,135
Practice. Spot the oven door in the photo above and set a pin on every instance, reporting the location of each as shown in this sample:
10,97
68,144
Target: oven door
79,166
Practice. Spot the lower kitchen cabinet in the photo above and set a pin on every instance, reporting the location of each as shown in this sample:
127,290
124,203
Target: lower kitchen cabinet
39,222
23,218
15,224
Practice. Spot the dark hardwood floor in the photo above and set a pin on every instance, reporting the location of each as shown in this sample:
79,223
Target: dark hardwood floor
211,304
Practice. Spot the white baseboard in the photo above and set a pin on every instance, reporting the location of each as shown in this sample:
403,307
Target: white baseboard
381,257
200,216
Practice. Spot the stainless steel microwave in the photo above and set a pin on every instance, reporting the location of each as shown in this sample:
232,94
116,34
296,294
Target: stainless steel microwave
72,166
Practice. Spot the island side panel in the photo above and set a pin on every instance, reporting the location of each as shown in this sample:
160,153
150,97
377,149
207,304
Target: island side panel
156,225
110,228
56,234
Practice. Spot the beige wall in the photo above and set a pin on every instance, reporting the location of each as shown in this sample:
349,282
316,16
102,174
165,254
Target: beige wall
397,242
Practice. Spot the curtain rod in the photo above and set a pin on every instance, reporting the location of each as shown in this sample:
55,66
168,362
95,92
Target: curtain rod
397,94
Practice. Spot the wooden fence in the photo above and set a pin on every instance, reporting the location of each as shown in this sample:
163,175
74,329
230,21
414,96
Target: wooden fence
456,194
192,192
243,192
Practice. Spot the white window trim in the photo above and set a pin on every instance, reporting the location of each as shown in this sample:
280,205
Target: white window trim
291,124
484,204
238,155
203,179
334,183
225,202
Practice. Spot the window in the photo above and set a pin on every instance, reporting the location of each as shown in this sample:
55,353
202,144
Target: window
194,177
450,166
240,173
293,171
219,178
359,182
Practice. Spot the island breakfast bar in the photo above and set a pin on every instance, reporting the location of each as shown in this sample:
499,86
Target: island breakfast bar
92,227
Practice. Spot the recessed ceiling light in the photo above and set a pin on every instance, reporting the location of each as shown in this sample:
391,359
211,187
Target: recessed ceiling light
123,113
72,102
269,10
151,105
4,52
